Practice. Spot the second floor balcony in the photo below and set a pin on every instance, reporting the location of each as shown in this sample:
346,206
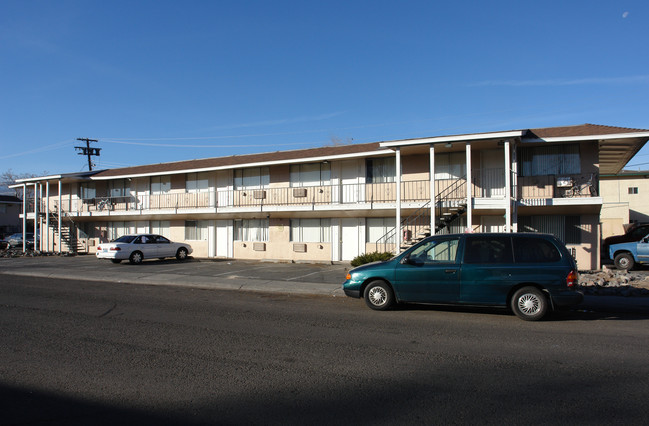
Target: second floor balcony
487,184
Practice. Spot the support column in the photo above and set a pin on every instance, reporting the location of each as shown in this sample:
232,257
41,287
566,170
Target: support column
398,200
47,216
508,189
469,190
24,215
36,189
433,195
60,219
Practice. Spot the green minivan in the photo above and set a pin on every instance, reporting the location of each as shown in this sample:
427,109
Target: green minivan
528,272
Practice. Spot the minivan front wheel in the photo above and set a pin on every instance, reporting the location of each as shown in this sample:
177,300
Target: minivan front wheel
529,303
378,295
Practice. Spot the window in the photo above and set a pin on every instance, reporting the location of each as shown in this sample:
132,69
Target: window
117,229
489,250
377,227
119,188
633,190
436,251
535,250
550,160
565,228
251,230
253,178
87,190
196,230
380,170
314,174
197,182
160,185
450,166
160,227
311,230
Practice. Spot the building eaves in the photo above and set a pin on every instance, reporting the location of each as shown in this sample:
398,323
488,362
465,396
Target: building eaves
581,131
246,160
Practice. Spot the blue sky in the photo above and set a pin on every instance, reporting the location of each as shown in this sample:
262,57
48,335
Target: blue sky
159,81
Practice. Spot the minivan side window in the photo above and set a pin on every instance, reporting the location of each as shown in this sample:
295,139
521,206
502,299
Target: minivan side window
488,249
436,251
535,250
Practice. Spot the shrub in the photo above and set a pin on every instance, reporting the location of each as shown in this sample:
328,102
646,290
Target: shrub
371,257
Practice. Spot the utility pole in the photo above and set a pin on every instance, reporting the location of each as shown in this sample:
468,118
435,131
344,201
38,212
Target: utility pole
87,150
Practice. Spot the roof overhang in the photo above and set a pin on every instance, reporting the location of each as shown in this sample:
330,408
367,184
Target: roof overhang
456,138
64,177
615,150
318,159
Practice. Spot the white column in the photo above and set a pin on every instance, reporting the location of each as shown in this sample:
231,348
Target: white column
47,216
469,189
24,214
432,189
60,218
398,194
36,189
514,176
508,189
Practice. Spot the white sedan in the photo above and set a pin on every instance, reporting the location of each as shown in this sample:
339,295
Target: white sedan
138,247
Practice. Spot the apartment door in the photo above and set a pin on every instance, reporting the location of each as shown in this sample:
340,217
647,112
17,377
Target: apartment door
492,173
493,224
223,238
351,182
351,238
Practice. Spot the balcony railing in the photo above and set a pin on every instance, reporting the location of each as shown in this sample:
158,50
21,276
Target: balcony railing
487,183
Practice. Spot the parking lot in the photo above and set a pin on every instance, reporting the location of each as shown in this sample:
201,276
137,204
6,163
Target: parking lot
205,273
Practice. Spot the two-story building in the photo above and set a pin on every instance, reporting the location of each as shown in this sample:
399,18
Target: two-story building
336,202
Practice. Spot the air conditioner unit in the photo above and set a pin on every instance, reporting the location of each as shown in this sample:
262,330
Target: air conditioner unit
259,195
299,192
564,182
299,247
259,246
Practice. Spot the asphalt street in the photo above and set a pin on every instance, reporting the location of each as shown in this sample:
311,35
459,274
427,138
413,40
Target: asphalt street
92,352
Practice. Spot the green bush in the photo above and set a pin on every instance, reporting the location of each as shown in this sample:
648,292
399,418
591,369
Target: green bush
371,257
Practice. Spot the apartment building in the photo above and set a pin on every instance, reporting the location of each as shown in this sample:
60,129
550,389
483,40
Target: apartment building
623,200
336,202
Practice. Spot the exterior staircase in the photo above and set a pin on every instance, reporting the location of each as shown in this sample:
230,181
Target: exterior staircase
69,231
449,206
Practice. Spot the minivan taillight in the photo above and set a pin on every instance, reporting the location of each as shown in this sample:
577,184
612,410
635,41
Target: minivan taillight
572,279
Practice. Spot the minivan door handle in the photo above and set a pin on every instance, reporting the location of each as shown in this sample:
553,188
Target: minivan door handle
450,271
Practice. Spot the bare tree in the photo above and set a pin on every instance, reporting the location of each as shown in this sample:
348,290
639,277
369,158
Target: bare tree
9,178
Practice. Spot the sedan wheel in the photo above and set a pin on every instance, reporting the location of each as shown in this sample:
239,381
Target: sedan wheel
529,303
181,254
136,258
378,295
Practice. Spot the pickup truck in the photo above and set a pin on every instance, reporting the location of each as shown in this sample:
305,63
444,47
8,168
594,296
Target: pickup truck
626,255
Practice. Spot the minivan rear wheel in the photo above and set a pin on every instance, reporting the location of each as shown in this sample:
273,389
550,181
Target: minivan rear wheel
529,303
378,295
